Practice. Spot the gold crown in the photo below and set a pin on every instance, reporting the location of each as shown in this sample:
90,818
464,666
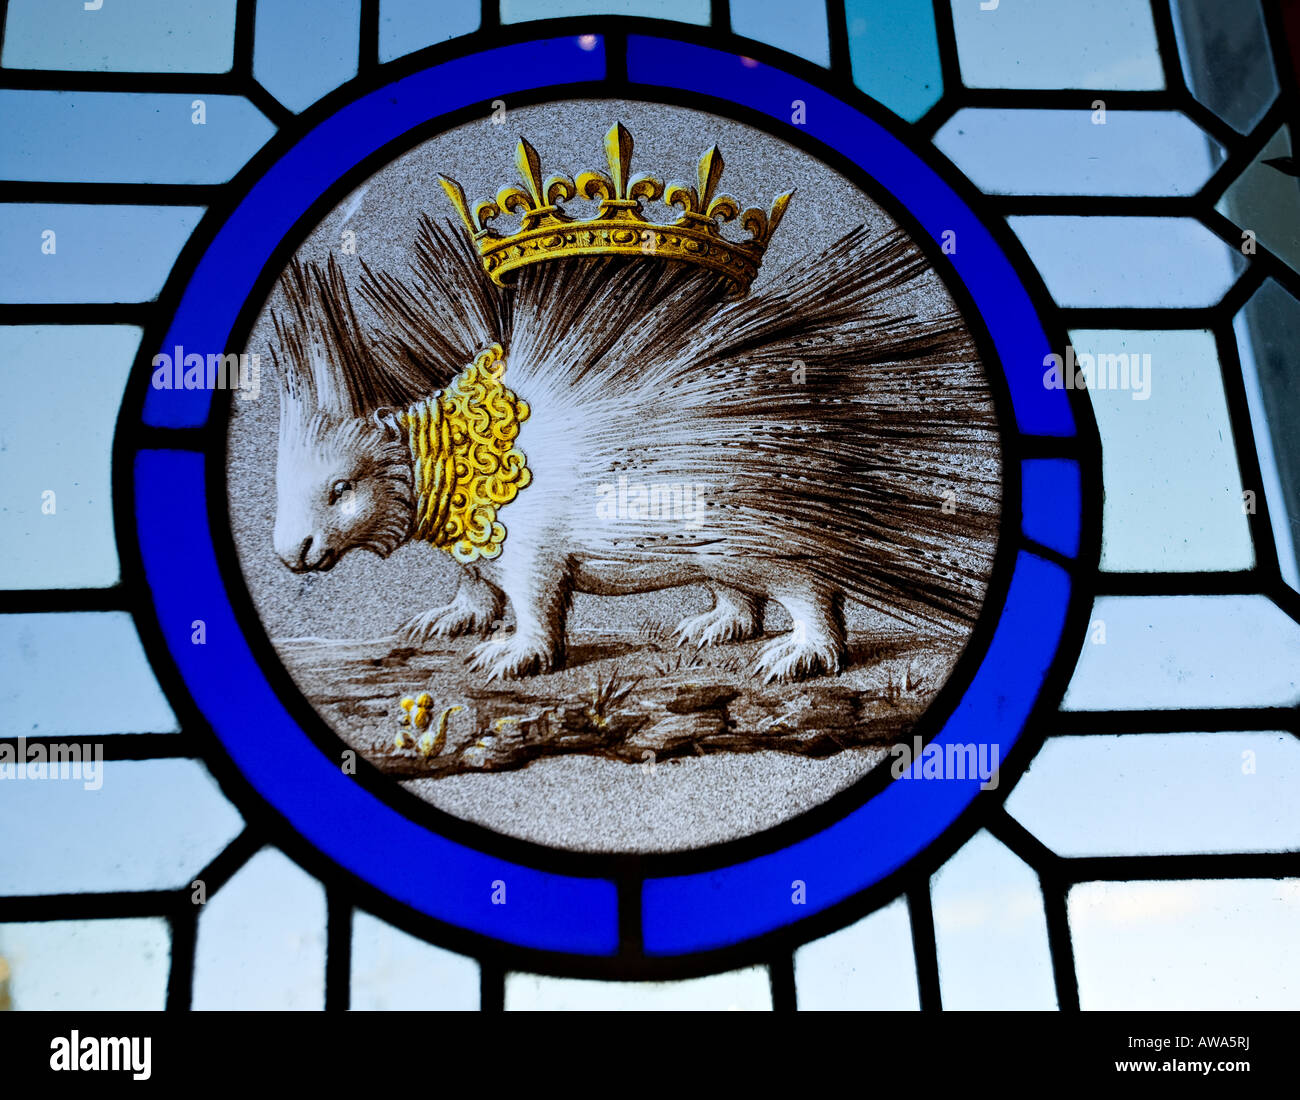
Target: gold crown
619,227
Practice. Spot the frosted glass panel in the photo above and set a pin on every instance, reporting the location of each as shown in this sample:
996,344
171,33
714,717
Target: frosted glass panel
305,48
159,36
101,253
55,662
870,966
1186,651
1187,946
738,989
394,970
991,931
133,825
1173,493
261,940
1057,44
1143,794
86,965
1048,152
65,540
1126,261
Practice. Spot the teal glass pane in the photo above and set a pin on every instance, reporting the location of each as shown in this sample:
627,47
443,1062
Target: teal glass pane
894,52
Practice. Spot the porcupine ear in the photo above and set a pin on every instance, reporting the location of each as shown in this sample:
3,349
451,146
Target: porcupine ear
386,418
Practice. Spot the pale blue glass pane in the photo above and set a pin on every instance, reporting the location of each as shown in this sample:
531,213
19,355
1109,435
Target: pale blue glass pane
1042,152
393,970
869,966
1057,44
684,11
126,137
744,990
118,965
64,541
409,25
1196,945
1129,261
305,48
261,940
895,54
1173,496
1225,58
1163,652
991,931
148,825
1268,332
1141,794
162,36
1266,200
796,28
102,253
77,673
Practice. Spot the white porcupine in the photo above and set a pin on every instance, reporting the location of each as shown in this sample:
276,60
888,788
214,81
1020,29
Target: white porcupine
825,424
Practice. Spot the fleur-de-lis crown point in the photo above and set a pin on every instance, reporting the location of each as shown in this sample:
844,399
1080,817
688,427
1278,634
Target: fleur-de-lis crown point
620,226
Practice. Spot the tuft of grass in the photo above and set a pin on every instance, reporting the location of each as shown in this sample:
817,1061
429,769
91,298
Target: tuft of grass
908,685
604,696
674,661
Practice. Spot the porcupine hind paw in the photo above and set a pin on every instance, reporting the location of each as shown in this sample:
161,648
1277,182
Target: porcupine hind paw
734,617
512,658
792,657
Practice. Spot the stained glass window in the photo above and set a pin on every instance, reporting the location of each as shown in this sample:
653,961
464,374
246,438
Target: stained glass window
978,435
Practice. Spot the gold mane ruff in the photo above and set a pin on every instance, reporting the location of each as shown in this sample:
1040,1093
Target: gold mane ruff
619,227
465,462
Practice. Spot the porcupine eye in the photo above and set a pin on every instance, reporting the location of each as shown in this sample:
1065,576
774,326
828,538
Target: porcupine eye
338,489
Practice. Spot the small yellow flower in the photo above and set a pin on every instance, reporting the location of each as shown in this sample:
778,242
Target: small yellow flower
433,741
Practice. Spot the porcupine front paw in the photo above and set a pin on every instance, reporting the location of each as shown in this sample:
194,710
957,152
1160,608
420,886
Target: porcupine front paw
476,607
734,617
513,657
457,618
798,656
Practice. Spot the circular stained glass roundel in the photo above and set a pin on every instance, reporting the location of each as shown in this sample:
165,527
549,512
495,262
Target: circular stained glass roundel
627,512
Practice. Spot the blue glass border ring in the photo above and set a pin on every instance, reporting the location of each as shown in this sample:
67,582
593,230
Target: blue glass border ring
451,882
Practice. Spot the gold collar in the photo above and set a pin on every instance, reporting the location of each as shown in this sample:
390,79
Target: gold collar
465,463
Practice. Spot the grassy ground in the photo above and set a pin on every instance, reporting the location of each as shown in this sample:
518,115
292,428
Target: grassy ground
627,699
